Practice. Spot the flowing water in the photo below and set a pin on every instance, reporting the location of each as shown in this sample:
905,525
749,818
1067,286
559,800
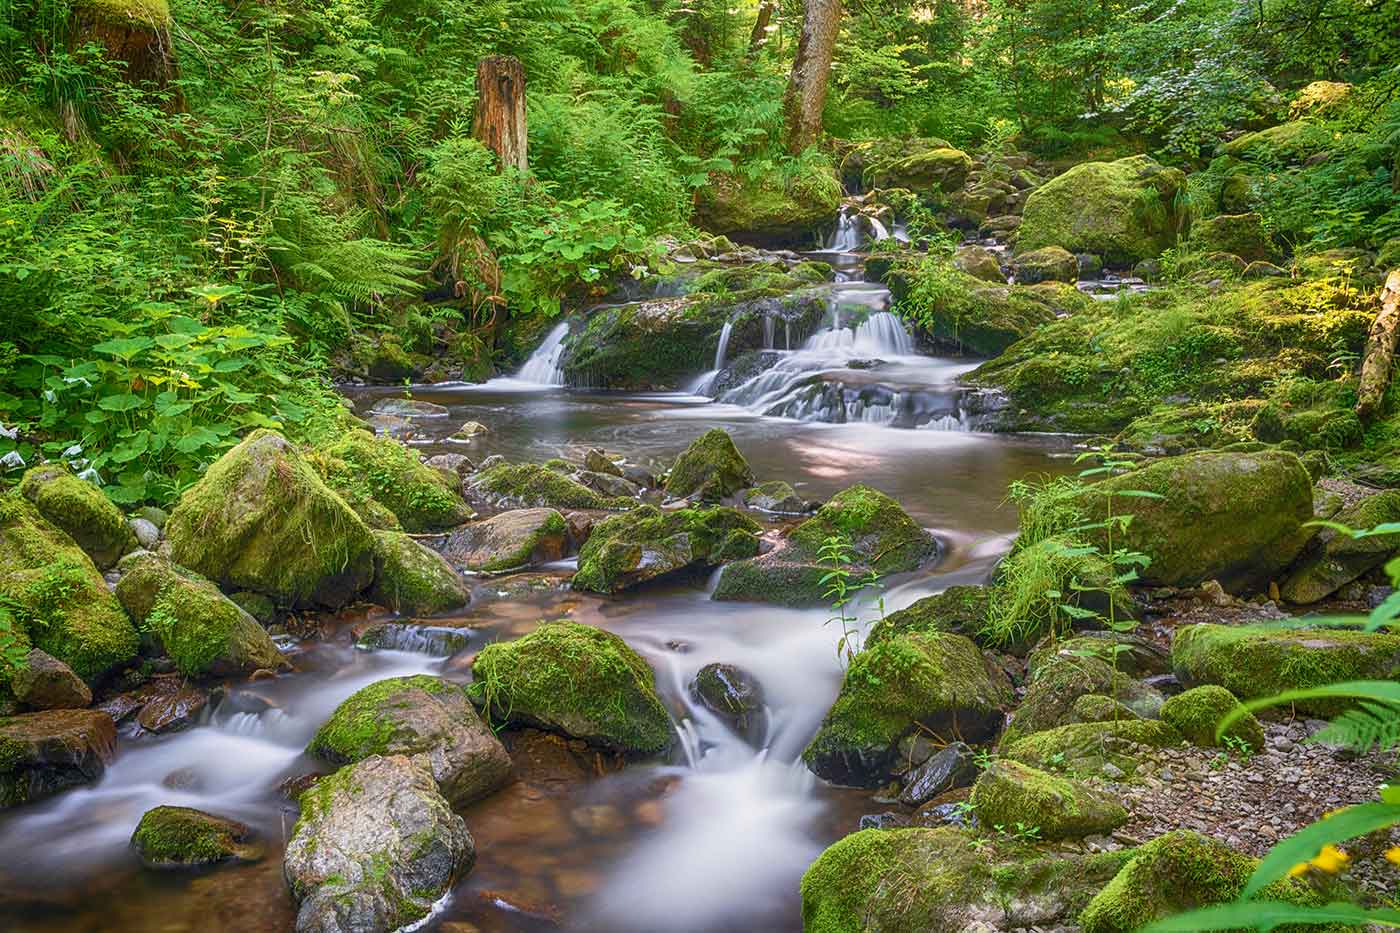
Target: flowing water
714,840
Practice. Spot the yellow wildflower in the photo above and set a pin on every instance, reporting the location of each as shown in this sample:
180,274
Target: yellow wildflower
1330,860
1392,855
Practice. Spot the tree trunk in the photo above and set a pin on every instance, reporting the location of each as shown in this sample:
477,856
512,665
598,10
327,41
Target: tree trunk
499,122
806,90
1380,350
759,37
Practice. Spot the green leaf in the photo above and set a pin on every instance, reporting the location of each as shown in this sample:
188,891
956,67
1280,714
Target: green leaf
124,402
1307,842
197,439
1268,915
1138,494
124,347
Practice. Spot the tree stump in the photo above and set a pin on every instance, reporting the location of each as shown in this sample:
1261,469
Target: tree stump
1380,350
499,121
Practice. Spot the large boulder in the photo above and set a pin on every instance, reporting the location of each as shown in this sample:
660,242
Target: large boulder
44,753
376,846
1289,143
1241,235
512,540
412,579
361,466
880,535
44,682
1084,748
57,596
1332,560
1198,712
413,715
576,679
1052,692
936,880
1174,873
1232,517
1253,662
936,683
261,519
185,616
80,509
182,837
1012,795
645,543
711,468
1123,211
931,169
533,485
1047,264
770,209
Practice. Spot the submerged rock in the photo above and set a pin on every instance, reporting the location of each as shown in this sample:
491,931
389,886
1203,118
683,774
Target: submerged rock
510,541
412,579
732,694
375,847
629,549
44,682
576,679
44,753
436,640
413,715
1196,714
80,509
173,712
233,527
937,683
409,408
711,468
181,837
1012,795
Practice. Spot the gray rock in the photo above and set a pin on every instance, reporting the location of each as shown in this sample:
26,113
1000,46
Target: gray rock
732,694
608,484
453,463
509,541
598,461
376,845
147,534
44,682
950,768
408,408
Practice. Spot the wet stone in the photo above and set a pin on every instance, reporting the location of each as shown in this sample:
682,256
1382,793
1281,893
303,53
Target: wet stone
950,768
44,682
173,712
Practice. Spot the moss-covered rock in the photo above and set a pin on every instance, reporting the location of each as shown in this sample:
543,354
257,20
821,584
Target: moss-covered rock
412,579
376,845
234,527
1134,655
1196,714
1052,692
44,753
185,616
1010,794
182,837
980,263
576,679
1174,873
710,468
1286,144
57,596
1123,211
960,609
935,682
42,681
775,496
1047,264
512,540
533,485
928,880
363,467
1241,235
629,549
1232,517
1095,707
929,169
1084,748
418,715
1255,661
1333,560
80,509
771,210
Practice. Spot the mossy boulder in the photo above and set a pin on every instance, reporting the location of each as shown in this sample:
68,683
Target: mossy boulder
1196,714
1047,264
1011,794
182,837
44,753
44,682
135,34
961,609
930,170
1085,747
80,509
185,616
771,209
1289,143
512,540
362,467
1122,211
629,549
418,715
931,880
533,485
1174,873
236,524
775,496
1332,560
1096,707
1258,661
937,683
375,847
710,468
1232,517
881,538
1241,235
1051,694
578,680
1134,655
57,595
980,263
412,579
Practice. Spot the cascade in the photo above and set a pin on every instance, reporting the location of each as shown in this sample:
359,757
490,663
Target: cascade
545,365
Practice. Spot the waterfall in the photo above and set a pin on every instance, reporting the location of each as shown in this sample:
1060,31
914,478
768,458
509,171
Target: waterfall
723,347
878,229
768,332
880,333
544,367
846,237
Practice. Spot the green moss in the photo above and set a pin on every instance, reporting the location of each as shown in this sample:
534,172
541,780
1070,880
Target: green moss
578,680
1011,794
1254,662
936,682
960,609
1057,685
930,171
361,467
531,485
645,541
1286,143
1240,235
710,468
773,579
1095,707
412,580
880,532
770,206
364,725
1197,712
154,12
180,836
80,509
1083,748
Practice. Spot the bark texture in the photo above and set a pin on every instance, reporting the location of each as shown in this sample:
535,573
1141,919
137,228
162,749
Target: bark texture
499,121
806,90
759,37
1380,350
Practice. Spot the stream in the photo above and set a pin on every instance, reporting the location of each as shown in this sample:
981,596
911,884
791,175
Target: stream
714,840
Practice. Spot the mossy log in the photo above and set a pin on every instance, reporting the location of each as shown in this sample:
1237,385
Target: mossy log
1380,350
